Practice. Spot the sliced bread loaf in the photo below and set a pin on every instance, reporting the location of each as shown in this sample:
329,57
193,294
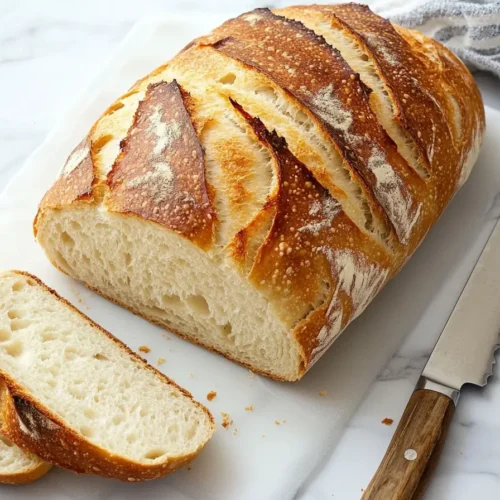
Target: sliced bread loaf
256,192
16,465
79,398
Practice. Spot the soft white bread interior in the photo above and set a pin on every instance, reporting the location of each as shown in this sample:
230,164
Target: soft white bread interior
81,399
173,283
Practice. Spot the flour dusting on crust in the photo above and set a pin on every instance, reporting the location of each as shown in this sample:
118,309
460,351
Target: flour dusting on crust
356,277
330,331
398,201
385,51
330,110
159,180
327,209
166,133
75,160
389,188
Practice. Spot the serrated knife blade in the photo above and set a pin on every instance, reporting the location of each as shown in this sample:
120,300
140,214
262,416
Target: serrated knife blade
465,350
463,354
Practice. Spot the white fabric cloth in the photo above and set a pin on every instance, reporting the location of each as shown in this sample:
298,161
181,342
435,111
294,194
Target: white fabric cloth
471,29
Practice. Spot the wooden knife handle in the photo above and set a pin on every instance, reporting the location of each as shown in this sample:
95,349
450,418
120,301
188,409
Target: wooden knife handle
415,448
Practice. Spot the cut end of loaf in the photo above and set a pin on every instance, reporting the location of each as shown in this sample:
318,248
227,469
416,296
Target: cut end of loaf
173,283
126,420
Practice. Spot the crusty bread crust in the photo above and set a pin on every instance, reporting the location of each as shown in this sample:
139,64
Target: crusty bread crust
27,475
197,217
434,104
312,89
34,428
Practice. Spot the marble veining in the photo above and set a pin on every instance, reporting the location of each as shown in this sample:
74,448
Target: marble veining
49,51
495,207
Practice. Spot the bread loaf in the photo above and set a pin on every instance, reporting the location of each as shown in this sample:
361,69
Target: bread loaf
257,191
80,399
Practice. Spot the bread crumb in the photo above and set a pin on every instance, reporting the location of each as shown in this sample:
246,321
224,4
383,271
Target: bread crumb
77,295
277,422
166,337
211,395
263,435
323,393
249,408
251,373
226,420
189,467
144,348
235,432
161,361
387,421
191,374
284,421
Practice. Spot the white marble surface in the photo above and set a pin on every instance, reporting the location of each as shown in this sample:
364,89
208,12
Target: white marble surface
50,51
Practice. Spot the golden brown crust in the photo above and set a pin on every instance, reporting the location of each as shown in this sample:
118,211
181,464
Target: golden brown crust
159,174
426,85
456,81
74,184
76,180
34,428
28,475
307,73
309,233
421,106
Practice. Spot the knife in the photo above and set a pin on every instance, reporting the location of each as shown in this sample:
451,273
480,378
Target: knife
464,354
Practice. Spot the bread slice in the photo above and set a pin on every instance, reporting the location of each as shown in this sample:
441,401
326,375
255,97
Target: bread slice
79,398
16,465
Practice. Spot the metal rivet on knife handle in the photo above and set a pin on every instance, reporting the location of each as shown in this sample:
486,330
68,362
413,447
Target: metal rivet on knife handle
404,471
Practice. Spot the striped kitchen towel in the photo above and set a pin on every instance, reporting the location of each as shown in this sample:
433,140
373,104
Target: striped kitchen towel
471,29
